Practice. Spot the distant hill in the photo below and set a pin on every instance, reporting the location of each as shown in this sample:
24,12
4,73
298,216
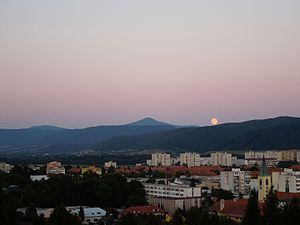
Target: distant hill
149,122
44,138
275,133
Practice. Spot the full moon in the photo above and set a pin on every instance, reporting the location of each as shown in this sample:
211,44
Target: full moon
214,121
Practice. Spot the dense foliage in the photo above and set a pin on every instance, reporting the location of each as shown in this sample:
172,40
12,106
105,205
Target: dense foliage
194,216
110,190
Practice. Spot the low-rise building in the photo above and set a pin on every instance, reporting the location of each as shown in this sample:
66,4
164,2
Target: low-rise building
233,208
5,167
55,168
38,177
110,164
91,169
91,215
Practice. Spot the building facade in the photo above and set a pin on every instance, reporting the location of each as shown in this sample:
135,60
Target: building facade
222,159
159,159
172,197
190,159
287,181
236,181
55,168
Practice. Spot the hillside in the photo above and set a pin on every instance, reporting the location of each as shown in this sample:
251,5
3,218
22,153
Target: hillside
48,138
276,133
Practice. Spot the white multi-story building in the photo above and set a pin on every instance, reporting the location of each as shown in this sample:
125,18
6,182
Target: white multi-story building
236,181
173,196
190,159
5,167
286,181
55,168
222,159
289,155
171,190
160,159
255,158
110,164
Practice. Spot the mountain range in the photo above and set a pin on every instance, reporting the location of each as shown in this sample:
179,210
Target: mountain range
274,133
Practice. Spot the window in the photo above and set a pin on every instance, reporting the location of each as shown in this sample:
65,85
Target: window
267,181
260,181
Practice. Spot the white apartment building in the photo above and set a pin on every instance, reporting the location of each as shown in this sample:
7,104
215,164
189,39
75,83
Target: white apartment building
159,159
290,155
171,191
5,167
190,159
286,181
236,181
172,197
222,159
55,168
272,157
110,164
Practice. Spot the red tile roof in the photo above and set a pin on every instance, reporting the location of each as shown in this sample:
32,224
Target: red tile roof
295,167
283,196
74,170
234,208
143,210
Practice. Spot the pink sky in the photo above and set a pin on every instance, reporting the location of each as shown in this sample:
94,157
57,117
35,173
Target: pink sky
112,62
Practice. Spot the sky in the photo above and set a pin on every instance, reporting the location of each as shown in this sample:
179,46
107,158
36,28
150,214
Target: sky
84,63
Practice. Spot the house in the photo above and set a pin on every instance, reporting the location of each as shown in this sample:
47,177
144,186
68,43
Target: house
286,197
91,215
91,169
38,177
55,168
232,208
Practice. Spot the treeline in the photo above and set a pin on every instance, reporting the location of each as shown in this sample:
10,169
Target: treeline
70,159
110,190
194,216
272,212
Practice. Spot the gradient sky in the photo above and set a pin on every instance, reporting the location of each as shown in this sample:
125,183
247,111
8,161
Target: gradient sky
81,63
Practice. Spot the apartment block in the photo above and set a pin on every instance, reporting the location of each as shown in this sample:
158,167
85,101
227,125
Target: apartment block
286,181
236,181
222,159
172,197
159,159
190,159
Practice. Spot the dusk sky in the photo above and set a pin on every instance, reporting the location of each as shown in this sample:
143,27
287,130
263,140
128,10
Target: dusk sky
82,63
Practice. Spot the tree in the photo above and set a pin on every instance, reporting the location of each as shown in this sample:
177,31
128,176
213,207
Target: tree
193,217
222,194
81,213
178,217
129,219
61,216
291,212
252,214
271,209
